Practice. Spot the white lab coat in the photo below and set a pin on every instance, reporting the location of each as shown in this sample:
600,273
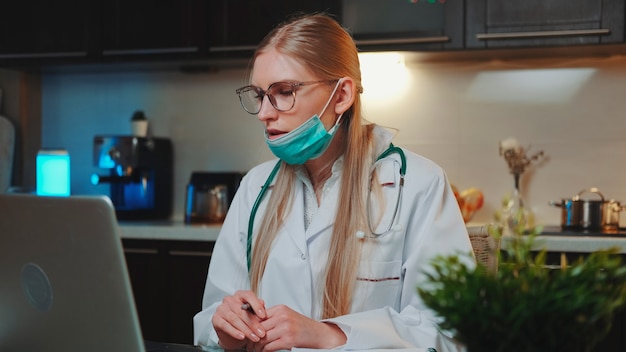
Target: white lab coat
387,311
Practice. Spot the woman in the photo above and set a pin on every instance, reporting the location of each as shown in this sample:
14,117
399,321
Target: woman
328,262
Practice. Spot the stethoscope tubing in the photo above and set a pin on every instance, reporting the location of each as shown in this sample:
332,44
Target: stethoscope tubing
255,207
392,149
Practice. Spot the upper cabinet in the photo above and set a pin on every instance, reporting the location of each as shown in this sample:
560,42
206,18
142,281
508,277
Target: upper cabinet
42,32
537,23
36,29
405,24
132,28
237,26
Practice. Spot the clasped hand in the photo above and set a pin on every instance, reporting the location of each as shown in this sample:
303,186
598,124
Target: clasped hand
263,330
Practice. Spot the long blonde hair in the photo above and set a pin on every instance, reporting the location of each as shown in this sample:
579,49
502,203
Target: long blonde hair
328,51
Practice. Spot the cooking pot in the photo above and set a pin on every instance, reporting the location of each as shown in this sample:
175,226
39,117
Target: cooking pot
589,214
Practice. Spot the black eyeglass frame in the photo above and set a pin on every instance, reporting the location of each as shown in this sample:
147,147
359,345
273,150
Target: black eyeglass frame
262,93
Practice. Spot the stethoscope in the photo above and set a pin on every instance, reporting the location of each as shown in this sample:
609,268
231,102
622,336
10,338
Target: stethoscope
360,234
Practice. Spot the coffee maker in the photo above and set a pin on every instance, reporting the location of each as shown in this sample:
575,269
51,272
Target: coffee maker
140,175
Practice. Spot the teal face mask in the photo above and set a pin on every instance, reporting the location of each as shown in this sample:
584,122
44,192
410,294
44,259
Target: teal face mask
308,141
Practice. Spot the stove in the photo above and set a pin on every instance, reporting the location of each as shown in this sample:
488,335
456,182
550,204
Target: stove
560,231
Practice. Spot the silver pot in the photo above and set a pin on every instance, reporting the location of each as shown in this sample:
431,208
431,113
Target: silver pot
589,214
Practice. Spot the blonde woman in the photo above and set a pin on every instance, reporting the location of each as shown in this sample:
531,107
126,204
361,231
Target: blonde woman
325,246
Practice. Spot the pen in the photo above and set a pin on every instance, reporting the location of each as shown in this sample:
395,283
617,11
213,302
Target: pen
248,307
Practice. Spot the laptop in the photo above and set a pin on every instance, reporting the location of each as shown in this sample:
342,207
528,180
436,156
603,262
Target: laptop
64,286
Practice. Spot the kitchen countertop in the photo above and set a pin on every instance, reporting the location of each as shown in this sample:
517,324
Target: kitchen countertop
169,230
553,239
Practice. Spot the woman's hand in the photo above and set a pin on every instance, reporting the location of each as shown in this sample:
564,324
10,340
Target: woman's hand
236,326
286,329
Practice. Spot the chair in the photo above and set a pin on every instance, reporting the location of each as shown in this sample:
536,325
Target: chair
484,245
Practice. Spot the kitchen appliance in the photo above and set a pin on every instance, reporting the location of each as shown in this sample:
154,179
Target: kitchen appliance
209,195
589,214
140,175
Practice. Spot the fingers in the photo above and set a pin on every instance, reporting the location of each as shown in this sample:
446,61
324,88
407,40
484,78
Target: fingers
253,309
233,323
225,321
252,304
286,329
283,328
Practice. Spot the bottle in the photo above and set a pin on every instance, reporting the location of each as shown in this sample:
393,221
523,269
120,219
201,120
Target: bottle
139,124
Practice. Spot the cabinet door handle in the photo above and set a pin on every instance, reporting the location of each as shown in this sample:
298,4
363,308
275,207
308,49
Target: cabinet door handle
221,49
141,251
191,253
191,49
542,34
416,40
44,55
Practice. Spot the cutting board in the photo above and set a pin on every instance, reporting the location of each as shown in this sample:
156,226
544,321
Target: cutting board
7,146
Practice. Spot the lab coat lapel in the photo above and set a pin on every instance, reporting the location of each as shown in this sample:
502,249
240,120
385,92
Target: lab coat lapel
294,224
325,216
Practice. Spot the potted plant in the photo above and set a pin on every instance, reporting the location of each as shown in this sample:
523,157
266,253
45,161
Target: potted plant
526,305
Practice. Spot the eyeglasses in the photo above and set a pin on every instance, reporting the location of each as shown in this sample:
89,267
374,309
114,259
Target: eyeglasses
282,95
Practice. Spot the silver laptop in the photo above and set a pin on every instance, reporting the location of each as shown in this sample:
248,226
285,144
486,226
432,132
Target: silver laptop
64,286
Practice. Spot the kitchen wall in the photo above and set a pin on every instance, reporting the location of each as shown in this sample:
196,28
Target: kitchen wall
452,112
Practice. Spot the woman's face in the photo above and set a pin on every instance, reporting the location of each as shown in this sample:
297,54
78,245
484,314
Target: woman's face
271,67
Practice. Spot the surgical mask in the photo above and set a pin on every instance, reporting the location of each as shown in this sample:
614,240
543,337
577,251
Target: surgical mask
308,141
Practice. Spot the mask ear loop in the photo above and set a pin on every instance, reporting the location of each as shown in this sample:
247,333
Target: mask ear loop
331,98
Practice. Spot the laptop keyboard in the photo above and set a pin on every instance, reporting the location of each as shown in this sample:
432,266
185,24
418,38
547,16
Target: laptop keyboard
152,346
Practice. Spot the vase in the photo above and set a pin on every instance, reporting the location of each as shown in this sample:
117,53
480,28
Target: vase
516,217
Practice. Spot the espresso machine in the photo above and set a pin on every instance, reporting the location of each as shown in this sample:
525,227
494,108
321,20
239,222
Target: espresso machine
140,175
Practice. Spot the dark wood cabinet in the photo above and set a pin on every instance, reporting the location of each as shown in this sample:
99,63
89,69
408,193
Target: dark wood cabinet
40,29
152,27
540,23
43,32
237,26
168,280
405,25
615,341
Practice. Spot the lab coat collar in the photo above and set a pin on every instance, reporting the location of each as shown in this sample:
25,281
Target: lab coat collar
382,138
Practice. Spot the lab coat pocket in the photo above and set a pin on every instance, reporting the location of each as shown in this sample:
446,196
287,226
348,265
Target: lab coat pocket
378,284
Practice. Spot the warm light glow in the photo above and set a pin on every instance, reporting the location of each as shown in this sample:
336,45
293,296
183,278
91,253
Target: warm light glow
534,86
385,76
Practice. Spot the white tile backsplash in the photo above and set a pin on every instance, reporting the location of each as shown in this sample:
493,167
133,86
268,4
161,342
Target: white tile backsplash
444,115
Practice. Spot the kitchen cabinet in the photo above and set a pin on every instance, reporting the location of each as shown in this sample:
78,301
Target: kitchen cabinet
237,26
615,341
540,23
405,25
167,278
42,32
32,30
152,27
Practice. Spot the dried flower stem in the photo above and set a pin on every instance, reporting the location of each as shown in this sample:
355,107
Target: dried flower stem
517,158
